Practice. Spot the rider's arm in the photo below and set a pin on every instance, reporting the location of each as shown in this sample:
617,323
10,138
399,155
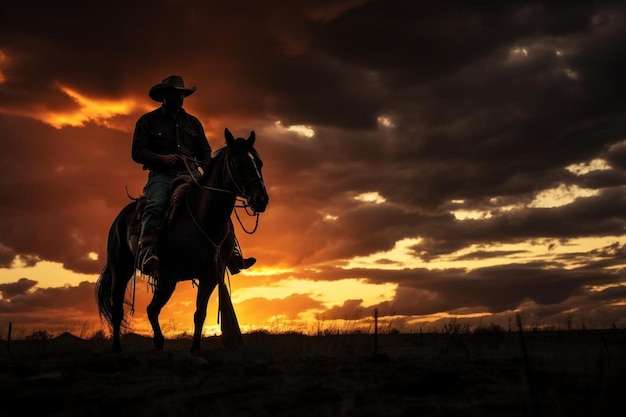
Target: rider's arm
201,147
141,152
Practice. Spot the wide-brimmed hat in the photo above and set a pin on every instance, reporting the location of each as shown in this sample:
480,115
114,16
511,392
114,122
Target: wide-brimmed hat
173,82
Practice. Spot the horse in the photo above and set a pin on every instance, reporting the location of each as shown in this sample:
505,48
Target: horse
195,244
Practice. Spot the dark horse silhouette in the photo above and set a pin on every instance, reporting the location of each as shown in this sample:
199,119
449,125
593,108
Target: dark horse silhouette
196,243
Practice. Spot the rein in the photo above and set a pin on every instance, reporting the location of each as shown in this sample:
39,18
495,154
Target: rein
205,187
239,197
205,234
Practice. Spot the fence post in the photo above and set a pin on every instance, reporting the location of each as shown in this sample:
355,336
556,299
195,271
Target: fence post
9,337
375,332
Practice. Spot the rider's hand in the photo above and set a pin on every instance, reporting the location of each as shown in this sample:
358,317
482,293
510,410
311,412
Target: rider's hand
172,160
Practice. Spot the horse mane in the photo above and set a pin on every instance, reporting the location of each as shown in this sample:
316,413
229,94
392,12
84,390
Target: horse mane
217,156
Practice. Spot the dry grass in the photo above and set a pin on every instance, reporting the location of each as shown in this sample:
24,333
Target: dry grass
472,374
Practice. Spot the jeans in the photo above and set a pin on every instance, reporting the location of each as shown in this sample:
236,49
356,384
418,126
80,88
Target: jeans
157,191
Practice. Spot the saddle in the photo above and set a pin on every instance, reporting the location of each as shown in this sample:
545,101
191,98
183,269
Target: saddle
178,188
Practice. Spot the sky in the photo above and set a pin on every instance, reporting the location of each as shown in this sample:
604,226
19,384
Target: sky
426,160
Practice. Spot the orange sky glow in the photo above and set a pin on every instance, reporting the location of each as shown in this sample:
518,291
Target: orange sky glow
478,179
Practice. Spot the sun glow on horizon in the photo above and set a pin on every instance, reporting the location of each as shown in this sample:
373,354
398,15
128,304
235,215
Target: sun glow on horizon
406,254
266,271
330,293
46,273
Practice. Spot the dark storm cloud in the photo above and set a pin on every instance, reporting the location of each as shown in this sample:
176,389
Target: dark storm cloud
14,289
6,256
471,118
349,310
502,121
434,106
56,191
602,215
423,40
79,297
497,289
56,310
500,118
233,49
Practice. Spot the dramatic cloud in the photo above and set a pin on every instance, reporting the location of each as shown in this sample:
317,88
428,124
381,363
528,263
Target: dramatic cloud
471,158
18,288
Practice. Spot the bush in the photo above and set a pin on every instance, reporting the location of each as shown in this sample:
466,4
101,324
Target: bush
39,335
455,326
98,335
491,329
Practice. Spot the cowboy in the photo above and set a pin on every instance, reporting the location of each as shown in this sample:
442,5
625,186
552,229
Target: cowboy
166,142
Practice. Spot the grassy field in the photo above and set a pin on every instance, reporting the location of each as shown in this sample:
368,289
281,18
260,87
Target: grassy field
490,373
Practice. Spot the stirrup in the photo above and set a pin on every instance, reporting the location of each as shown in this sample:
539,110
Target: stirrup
149,263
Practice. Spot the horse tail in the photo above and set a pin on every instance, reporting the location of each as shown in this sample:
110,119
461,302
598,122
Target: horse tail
104,287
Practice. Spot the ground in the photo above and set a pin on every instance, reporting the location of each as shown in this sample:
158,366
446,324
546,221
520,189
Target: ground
563,373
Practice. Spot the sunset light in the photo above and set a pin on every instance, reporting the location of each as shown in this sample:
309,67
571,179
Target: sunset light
561,196
298,208
89,110
587,167
385,121
301,130
3,60
370,197
477,175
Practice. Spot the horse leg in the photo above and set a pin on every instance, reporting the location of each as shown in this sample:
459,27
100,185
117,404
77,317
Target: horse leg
122,270
117,301
204,293
110,298
119,269
162,293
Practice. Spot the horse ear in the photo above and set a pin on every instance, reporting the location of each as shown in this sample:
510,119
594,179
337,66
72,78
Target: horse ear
251,138
230,139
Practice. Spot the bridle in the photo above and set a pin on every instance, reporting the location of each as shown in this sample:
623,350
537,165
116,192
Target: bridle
241,200
241,188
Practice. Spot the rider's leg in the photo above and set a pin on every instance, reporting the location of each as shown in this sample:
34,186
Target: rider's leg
237,262
157,197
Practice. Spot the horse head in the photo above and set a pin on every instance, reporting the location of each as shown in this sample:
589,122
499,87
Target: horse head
245,167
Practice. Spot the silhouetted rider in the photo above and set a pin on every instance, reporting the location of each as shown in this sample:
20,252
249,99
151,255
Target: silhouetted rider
162,138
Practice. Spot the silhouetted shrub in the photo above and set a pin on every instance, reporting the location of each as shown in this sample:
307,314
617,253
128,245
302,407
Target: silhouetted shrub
455,326
39,335
98,335
491,329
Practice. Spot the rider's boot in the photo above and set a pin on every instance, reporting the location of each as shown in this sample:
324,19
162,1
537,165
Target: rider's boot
237,262
148,260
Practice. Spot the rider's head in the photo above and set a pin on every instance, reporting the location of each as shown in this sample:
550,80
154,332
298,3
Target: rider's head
171,92
173,100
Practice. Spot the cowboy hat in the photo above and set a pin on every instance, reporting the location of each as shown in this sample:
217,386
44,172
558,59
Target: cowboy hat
173,82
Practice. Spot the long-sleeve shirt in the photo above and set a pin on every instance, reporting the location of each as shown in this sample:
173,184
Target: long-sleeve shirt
159,133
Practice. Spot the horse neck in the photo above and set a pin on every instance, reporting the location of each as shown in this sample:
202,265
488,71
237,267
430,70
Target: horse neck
216,194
